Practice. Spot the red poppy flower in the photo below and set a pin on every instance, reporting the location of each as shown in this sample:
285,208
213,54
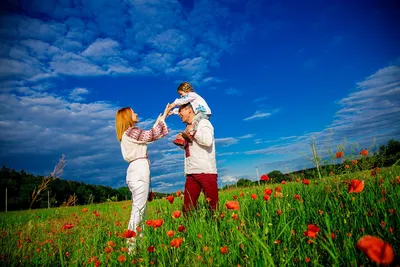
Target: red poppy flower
297,196
279,212
364,152
150,249
176,214
85,210
312,231
157,223
306,181
346,166
149,222
108,249
235,197
170,233
178,193
354,162
268,191
266,197
283,182
181,228
254,196
356,186
376,249
121,258
241,194
129,234
111,243
339,154
67,226
232,205
176,242
264,177
235,216
223,250
170,199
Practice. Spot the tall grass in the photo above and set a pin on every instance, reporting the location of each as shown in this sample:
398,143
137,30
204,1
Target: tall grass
260,233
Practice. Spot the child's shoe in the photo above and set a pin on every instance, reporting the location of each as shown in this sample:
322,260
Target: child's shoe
179,142
187,136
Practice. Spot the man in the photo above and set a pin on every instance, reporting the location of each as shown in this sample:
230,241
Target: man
200,164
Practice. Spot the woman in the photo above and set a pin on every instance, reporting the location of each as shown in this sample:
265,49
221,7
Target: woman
134,151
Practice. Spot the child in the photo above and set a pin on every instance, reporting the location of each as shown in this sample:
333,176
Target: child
199,105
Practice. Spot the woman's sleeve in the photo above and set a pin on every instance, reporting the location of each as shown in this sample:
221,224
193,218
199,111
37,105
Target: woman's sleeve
158,131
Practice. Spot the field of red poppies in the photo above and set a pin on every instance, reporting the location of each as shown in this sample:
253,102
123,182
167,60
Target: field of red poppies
346,220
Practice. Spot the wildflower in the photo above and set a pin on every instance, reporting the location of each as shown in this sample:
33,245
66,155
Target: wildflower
129,234
235,216
312,231
277,242
121,258
208,200
150,249
176,242
278,189
108,249
124,207
111,244
138,229
297,196
283,182
347,166
268,191
307,259
232,205
306,181
170,199
170,233
339,154
67,226
364,152
354,162
223,250
199,236
356,186
85,210
383,223
254,196
157,223
376,249
235,197
320,212
297,179
241,194
264,177
176,214
181,228
266,197
97,264
178,193
279,212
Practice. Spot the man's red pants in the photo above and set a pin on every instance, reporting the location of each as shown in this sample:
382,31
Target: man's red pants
193,186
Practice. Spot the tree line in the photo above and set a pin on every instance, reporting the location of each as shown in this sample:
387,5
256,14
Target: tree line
385,156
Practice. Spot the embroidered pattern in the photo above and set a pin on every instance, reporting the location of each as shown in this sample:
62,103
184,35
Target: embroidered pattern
155,133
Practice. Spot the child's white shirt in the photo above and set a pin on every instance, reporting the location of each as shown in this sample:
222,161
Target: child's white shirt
198,103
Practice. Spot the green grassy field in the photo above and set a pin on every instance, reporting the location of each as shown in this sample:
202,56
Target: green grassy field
260,233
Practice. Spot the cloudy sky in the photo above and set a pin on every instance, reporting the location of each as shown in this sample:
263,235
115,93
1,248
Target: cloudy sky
276,76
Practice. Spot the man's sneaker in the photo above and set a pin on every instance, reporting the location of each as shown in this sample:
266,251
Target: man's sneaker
179,142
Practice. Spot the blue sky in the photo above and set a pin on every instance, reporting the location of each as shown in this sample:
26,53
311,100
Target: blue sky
275,74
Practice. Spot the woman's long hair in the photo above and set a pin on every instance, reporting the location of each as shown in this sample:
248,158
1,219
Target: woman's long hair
123,120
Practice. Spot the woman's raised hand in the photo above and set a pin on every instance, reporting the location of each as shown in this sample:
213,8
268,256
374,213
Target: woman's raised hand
166,111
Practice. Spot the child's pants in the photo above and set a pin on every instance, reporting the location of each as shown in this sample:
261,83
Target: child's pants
138,180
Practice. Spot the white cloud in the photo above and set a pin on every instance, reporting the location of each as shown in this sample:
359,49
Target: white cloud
77,94
233,91
228,179
257,115
227,141
247,136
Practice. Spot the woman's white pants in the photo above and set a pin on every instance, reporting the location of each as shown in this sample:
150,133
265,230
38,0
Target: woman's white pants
138,180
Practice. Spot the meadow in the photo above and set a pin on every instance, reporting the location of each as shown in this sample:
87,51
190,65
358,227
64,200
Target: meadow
317,222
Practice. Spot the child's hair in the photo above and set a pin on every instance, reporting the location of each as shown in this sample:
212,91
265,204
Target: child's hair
185,87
